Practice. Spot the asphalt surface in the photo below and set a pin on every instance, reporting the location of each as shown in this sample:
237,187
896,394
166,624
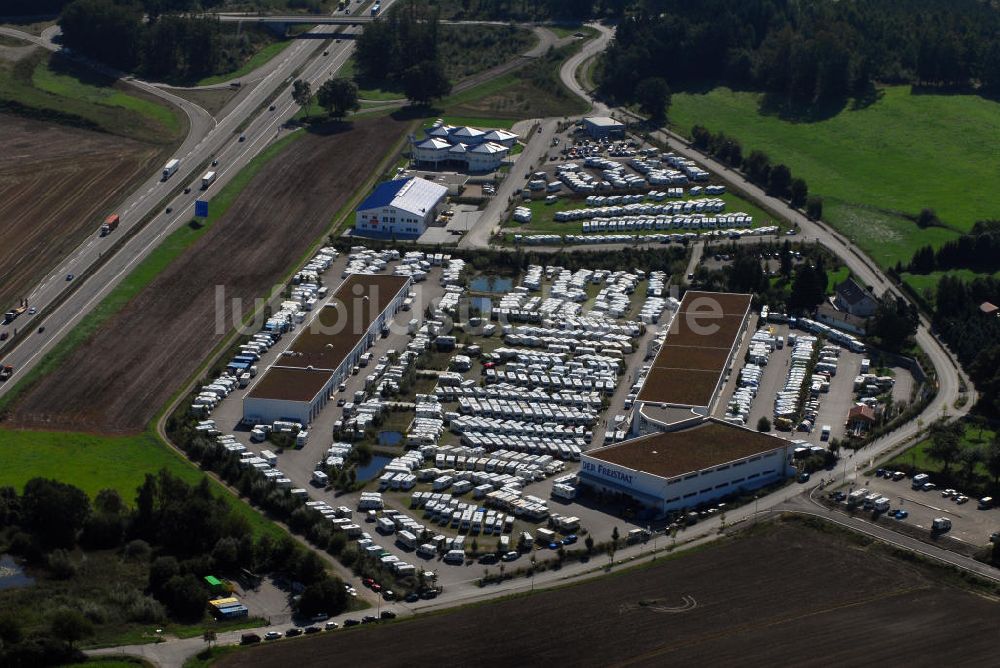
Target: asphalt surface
207,140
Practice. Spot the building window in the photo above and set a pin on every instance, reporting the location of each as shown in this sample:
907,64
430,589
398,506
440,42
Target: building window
735,464
754,459
751,477
688,496
725,484
706,490
738,481
771,454
689,477
722,468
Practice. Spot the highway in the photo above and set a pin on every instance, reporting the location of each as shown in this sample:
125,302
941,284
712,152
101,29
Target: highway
208,139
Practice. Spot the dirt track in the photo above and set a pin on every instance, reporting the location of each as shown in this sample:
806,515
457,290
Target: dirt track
55,184
116,380
789,596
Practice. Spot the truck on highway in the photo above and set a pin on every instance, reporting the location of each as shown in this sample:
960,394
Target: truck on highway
170,168
110,224
13,314
207,180
6,372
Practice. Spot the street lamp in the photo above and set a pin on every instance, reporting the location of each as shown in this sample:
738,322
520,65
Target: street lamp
755,497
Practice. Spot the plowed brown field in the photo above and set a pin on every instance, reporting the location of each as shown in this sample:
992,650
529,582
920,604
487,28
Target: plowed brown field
55,184
116,380
788,596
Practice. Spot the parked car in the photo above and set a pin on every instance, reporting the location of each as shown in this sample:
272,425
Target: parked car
272,635
368,619
412,598
489,558
249,638
311,629
569,540
388,614
330,626
388,595
292,632
350,622
511,556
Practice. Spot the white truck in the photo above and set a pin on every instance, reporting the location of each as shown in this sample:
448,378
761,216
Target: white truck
170,168
207,180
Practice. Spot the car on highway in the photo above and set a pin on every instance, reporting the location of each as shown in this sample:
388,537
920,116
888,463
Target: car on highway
4,335
243,137
326,53
169,209
271,108
69,277
41,329
215,162
187,189
272,635
32,311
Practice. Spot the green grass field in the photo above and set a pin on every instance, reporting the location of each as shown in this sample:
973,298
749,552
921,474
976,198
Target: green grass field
45,86
926,284
917,455
872,165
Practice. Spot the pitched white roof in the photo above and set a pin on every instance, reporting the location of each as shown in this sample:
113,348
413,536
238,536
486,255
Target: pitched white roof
490,147
499,135
457,148
434,143
441,131
466,131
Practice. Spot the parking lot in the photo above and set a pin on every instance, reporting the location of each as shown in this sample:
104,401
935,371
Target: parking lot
969,523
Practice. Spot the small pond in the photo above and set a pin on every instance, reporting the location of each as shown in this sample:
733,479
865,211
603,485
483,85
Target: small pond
373,468
390,437
12,575
491,284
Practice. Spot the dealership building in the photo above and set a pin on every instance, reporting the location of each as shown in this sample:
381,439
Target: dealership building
402,208
299,384
678,456
462,147
699,463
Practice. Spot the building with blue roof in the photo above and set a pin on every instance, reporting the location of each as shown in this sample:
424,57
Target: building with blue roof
402,208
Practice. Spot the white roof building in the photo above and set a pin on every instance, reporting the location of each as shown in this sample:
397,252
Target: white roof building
402,208
467,147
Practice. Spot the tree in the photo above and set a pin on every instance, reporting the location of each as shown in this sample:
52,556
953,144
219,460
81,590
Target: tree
945,446
928,218
779,181
425,81
70,625
808,289
109,501
326,597
745,274
588,542
615,536
338,96
799,193
11,631
54,510
185,596
653,96
992,460
757,167
763,424
814,207
970,458
894,321
209,636
105,30
302,94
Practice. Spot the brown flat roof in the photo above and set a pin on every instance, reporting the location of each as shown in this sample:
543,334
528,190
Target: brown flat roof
339,325
300,373
290,384
692,359
673,453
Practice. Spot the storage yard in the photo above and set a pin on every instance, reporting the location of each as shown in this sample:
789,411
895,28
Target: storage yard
56,184
822,588
118,378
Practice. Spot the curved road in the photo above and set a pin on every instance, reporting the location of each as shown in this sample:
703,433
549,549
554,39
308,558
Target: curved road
208,140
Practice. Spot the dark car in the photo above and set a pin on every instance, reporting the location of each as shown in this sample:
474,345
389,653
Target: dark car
388,614
368,619
569,540
411,598
187,189
428,594
490,558
41,329
69,277
310,629
291,633
249,639
350,622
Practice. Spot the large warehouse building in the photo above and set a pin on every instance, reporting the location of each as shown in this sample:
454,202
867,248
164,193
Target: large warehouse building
678,457
690,368
672,470
402,208
300,382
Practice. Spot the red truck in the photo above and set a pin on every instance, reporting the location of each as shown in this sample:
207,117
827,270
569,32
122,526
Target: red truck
110,224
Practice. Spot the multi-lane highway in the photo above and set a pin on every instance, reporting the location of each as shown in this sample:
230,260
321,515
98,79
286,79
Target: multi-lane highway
96,275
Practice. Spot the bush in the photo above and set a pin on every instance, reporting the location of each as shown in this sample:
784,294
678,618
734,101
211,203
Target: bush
763,425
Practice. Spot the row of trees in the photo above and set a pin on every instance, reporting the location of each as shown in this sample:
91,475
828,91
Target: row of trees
978,250
403,49
141,37
775,179
807,51
948,447
973,336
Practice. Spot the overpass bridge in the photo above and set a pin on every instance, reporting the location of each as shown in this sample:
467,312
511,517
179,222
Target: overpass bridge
291,19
